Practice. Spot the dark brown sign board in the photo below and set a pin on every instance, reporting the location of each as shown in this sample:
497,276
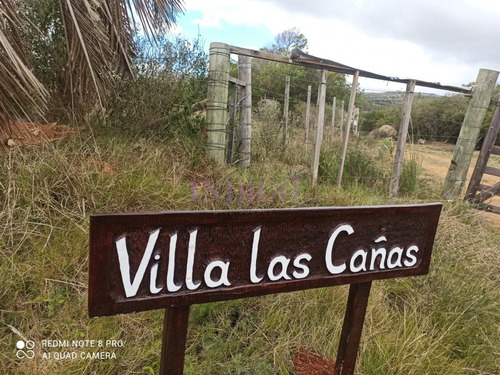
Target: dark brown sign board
152,260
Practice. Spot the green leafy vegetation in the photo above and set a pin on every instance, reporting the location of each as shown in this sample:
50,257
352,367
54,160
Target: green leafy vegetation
162,100
433,118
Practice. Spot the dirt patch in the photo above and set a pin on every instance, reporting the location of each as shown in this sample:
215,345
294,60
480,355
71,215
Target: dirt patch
308,363
22,133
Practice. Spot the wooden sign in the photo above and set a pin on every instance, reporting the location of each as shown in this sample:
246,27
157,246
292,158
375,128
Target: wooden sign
144,261
172,260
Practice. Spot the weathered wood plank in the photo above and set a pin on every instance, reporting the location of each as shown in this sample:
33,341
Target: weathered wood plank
217,90
237,81
469,132
495,150
230,135
285,109
482,187
494,209
303,59
489,208
308,117
245,94
487,193
345,140
492,170
320,122
487,149
403,133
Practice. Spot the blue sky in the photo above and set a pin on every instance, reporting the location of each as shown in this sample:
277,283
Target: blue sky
444,41
238,35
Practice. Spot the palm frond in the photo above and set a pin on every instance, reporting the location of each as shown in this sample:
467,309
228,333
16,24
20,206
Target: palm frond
20,91
90,57
154,15
99,41
99,37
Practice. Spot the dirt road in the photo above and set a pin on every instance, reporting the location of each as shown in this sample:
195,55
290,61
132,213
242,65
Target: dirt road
436,159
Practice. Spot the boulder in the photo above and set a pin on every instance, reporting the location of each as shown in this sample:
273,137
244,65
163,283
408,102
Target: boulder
385,131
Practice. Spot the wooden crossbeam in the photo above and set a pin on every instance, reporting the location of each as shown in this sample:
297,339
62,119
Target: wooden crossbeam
481,168
495,150
492,170
237,81
486,194
494,209
298,57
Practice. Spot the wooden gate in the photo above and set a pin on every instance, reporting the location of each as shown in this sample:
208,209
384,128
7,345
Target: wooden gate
476,192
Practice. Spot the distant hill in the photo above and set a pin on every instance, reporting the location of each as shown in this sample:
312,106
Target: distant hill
381,99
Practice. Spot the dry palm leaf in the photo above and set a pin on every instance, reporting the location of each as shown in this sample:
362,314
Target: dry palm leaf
99,38
20,91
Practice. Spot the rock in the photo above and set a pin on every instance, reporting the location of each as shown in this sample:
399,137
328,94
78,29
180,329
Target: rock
385,131
11,143
421,141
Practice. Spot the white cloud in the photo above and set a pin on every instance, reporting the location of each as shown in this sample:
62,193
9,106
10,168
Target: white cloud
175,29
240,12
443,41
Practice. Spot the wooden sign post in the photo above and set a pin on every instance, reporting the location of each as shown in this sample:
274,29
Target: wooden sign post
171,260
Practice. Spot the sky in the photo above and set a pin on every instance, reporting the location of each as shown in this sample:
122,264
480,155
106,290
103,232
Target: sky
444,41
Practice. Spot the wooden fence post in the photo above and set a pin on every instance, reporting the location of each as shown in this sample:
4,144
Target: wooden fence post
308,116
334,107
320,119
342,127
218,80
285,108
230,136
403,132
486,150
350,111
481,96
355,121
245,129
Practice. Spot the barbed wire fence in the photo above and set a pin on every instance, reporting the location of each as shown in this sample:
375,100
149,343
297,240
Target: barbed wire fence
218,125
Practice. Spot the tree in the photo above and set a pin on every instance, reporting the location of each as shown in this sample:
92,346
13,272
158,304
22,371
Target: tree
286,40
98,48
269,77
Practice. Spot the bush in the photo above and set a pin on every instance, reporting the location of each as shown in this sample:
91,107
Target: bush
171,79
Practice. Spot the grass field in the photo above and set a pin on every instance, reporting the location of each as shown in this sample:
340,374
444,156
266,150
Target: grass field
447,322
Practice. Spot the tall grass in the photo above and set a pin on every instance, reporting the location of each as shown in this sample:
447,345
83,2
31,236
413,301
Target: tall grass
443,323
363,173
408,181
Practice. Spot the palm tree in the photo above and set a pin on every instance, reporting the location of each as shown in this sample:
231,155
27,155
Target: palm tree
98,43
